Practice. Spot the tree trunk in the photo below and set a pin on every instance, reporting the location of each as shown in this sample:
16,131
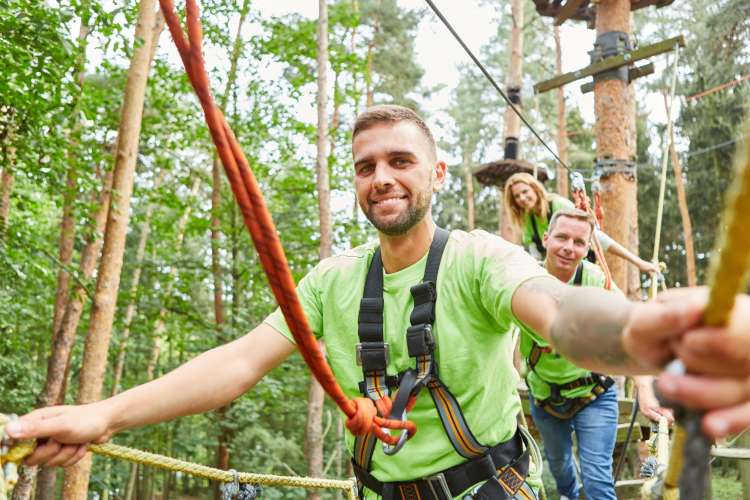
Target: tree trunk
469,182
316,395
6,187
135,279
614,106
108,279
687,225
562,126
160,324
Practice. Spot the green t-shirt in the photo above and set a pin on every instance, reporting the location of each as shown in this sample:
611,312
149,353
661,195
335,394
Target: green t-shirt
527,235
552,367
479,273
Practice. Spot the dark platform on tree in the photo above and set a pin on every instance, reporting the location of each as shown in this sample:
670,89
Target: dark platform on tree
495,173
584,10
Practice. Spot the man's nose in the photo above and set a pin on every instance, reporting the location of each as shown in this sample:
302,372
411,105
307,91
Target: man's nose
383,176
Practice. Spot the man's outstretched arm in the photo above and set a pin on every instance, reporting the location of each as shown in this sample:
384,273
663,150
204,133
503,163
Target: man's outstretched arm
603,331
206,382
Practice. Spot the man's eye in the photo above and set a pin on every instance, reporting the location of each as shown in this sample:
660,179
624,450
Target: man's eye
364,170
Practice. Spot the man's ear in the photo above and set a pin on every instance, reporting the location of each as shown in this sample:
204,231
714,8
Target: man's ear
439,171
545,238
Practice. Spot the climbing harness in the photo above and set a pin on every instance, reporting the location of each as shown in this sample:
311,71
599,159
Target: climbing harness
361,413
14,453
501,469
556,404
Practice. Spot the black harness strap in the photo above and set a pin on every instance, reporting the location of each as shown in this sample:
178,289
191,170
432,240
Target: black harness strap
536,237
484,463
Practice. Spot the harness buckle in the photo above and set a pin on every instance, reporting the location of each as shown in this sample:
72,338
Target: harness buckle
438,481
374,356
419,340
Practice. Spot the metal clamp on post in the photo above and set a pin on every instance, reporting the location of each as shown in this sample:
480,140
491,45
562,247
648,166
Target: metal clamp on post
605,167
607,45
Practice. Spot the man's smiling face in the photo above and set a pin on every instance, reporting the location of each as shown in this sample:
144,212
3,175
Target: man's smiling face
395,174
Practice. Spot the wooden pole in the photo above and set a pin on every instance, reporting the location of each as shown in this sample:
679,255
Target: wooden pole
562,126
512,121
614,106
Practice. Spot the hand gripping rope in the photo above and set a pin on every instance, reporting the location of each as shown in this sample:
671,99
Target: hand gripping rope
361,412
689,456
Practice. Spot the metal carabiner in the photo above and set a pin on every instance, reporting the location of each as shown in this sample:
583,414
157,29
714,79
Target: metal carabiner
231,491
392,450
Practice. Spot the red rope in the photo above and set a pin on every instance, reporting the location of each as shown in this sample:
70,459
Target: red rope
581,200
361,412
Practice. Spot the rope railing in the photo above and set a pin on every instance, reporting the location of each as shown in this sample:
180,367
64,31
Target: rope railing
11,455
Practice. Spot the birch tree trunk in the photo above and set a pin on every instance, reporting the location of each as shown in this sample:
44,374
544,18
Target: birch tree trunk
316,395
469,182
108,279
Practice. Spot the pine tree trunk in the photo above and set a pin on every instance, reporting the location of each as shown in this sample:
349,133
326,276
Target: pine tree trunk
135,279
614,107
160,324
108,278
316,395
6,188
562,126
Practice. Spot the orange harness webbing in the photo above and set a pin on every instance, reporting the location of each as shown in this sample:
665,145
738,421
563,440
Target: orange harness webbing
361,412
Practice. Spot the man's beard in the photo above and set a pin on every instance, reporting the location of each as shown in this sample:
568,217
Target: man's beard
405,220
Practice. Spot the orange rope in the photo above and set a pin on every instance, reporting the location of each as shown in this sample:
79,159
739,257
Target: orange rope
581,200
361,412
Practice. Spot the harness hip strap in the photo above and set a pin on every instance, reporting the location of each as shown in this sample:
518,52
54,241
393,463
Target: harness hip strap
501,470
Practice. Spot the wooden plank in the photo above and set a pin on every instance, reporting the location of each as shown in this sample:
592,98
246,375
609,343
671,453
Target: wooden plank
629,488
567,11
622,432
610,63
633,73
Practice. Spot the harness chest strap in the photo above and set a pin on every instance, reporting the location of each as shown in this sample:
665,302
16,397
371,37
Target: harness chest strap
373,352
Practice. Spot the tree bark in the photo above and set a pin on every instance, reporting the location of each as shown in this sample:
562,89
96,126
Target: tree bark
160,324
687,226
614,107
316,395
6,188
562,126
135,279
108,279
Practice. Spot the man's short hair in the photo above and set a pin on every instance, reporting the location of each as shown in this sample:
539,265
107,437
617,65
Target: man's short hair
392,114
573,213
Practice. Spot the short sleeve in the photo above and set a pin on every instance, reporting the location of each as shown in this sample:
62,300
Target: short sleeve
308,291
503,270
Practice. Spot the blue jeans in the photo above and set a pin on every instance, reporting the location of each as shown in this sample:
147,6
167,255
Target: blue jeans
596,430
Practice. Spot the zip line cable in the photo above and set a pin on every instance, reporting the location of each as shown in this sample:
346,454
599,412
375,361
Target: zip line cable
494,83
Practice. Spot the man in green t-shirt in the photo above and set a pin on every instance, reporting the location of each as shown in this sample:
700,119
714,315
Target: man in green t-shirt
565,397
484,284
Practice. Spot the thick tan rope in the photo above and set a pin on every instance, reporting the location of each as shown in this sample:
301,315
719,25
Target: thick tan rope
19,451
728,277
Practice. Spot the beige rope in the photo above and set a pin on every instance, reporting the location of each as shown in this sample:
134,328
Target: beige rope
19,451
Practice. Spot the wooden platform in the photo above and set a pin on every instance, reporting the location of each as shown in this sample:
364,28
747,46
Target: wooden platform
495,173
584,10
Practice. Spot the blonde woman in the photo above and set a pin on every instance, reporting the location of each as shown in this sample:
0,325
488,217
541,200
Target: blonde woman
530,208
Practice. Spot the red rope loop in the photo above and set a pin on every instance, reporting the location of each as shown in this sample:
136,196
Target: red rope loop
262,230
582,202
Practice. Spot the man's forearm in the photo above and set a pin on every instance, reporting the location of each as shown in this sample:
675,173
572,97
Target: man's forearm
209,381
588,330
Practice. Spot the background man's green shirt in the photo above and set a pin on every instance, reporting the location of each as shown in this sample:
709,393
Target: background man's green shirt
478,275
553,367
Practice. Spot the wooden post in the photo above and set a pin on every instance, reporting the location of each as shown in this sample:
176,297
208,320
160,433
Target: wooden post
512,121
614,106
562,126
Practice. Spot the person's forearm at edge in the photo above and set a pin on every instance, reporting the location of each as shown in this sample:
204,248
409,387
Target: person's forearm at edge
209,381
620,251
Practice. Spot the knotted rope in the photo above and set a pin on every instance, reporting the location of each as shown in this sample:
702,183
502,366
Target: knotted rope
361,411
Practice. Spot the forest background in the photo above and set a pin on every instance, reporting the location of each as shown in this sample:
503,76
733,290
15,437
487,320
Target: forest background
64,73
